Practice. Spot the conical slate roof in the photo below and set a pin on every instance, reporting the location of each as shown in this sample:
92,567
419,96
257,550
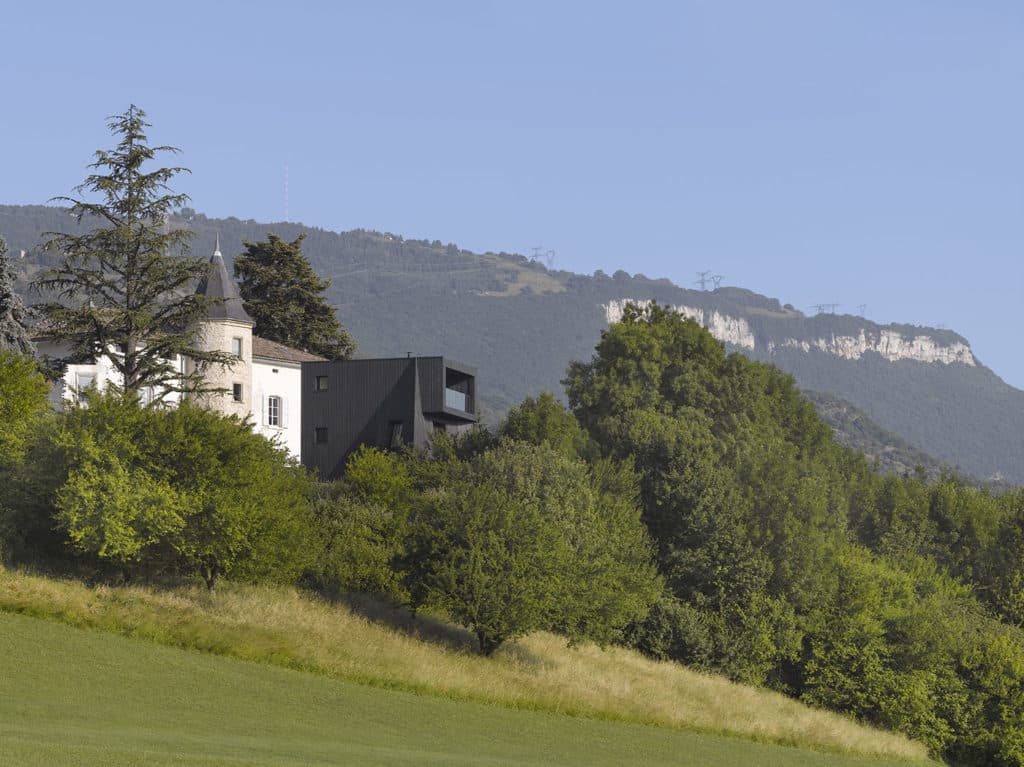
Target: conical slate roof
218,285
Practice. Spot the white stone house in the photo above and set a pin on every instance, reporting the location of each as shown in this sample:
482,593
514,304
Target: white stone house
263,384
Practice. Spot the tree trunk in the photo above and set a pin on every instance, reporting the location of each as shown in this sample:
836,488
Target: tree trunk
210,573
488,643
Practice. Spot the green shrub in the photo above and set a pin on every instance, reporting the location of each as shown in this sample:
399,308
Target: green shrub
523,538
23,402
358,542
183,489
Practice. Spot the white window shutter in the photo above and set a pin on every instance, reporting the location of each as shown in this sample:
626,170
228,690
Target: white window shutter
263,410
284,413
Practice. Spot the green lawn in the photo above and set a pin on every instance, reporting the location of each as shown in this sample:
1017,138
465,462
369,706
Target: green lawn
74,697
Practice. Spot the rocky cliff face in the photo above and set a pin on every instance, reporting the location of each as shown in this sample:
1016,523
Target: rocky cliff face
888,343
730,330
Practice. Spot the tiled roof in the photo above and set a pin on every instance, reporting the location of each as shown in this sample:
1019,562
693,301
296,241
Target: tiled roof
272,350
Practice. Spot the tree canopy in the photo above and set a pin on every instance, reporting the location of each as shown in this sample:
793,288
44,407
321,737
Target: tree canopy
789,563
125,287
285,298
23,402
521,538
180,490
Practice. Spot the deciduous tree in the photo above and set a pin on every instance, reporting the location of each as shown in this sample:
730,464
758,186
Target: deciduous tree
23,401
182,489
528,539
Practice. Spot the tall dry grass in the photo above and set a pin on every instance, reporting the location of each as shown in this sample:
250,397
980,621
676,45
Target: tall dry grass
288,628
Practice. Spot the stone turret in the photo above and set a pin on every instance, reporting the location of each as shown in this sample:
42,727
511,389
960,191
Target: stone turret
228,328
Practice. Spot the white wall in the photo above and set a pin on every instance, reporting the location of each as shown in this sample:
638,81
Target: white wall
269,378
100,373
278,379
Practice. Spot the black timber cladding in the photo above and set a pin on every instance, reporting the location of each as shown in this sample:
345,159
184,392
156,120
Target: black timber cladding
369,402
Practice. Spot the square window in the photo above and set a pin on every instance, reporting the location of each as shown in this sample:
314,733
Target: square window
273,411
321,383
320,435
236,347
236,392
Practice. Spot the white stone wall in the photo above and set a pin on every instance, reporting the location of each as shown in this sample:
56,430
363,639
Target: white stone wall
284,380
100,374
217,336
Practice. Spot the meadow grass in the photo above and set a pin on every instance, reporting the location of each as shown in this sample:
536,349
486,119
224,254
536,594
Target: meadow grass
287,628
75,697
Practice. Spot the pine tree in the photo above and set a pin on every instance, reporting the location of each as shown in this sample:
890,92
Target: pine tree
125,288
284,296
14,335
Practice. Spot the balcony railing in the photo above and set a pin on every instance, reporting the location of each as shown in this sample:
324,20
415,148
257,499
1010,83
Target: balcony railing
456,400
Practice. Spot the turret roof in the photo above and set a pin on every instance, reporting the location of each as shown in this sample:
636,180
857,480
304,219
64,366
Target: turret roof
218,285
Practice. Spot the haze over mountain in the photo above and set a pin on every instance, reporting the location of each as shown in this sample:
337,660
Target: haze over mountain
521,323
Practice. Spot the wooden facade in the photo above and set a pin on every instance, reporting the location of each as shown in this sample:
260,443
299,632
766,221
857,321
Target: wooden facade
382,403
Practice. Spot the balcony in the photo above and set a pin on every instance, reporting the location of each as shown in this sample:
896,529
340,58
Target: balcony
456,400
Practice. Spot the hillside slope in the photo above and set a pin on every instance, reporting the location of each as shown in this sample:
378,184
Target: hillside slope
285,628
521,324
73,697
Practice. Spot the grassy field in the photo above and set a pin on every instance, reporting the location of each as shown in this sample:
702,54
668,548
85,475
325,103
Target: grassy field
74,697
285,628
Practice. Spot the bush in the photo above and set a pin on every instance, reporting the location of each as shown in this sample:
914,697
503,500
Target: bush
186,490
23,402
358,541
524,538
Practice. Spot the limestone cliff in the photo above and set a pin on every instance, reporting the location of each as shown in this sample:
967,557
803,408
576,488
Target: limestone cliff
888,342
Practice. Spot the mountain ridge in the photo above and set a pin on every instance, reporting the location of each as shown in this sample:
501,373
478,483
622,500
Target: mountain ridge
521,323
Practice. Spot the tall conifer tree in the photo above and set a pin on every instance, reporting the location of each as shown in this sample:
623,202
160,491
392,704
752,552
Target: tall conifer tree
284,296
126,287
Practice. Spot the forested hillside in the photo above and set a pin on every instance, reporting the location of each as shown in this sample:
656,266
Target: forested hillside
520,323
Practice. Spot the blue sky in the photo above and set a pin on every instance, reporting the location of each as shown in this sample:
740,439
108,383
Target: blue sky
859,152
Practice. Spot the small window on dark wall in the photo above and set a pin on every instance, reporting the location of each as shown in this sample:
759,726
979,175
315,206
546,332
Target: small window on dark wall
395,440
320,435
321,383
236,392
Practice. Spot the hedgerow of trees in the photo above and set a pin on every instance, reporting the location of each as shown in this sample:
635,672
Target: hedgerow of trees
789,563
